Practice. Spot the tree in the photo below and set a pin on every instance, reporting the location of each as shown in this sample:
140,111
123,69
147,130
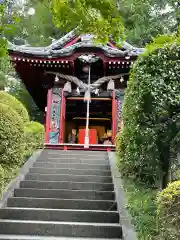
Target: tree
35,27
144,20
3,47
141,20
98,17
18,90
6,28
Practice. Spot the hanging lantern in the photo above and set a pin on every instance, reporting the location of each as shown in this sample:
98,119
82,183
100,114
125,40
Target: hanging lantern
87,95
77,90
56,79
67,87
86,69
121,79
111,85
97,91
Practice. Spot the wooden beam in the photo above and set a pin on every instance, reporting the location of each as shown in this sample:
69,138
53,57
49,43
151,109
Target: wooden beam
82,98
99,119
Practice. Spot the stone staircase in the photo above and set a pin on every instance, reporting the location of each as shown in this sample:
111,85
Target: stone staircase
65,195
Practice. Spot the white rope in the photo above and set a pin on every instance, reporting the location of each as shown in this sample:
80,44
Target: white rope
83,85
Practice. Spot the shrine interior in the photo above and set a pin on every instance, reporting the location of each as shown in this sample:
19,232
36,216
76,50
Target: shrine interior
100,117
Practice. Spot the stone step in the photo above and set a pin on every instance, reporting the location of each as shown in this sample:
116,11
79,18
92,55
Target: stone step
76,156
23,237
73,153
97,172
68,177
51,203
66,229
64,194
71,165
68,185
48,215
72,160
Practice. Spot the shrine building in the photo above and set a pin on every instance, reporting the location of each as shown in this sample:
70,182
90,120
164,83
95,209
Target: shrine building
80,87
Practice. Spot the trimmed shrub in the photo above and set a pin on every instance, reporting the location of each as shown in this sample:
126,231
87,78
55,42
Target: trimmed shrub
34,136
19,91
151,113
1,179
12,142
169,212
175,158
15,104
6,176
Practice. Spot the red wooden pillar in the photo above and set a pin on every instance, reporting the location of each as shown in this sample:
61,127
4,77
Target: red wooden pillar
114,117
48,114
62,118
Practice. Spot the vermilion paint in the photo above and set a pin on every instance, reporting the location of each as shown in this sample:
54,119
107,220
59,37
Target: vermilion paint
48,114
113,117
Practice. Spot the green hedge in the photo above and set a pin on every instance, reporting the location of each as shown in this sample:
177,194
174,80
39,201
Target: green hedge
169,212
1,179
19,138
151,113
14,103
11,136
34,136
175,154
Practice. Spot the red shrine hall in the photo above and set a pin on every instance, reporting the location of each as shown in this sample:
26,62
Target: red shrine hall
80,87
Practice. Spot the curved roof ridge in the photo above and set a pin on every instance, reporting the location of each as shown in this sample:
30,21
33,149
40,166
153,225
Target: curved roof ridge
57,48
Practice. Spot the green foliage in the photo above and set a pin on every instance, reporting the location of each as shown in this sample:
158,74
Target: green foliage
142,207
169,211
18,90
2,80
34,136
3,28
19,138
144,20
11,137
7,174
160,42
15,104
151,114
175,157
4,60
6,28
1,179
36,29
100,17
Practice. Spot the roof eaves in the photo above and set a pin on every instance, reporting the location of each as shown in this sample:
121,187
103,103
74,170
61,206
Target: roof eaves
50,51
